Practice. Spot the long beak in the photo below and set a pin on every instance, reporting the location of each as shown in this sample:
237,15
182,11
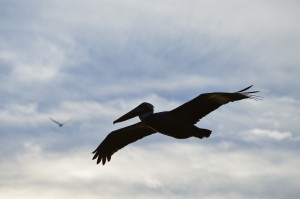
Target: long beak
133,113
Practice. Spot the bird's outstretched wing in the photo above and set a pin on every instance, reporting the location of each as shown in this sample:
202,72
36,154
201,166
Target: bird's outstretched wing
53,120
59,123
120,138
65,122
192,111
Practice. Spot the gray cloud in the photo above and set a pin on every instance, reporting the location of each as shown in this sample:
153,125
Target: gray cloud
92,61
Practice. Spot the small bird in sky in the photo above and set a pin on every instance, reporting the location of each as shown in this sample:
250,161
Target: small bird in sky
178,123
60,124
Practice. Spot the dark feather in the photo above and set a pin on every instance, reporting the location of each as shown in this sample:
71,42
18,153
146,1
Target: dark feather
120,138
192,111
188,113
59,123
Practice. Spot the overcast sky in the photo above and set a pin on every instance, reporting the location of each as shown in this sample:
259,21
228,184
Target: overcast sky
92,61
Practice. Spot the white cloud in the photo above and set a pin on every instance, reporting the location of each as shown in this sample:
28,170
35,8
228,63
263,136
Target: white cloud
270,134
16,114
92,61
173,170
34,73
152,182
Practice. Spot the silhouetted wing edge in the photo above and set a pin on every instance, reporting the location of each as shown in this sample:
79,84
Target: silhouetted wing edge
67,121
55,121
118,139
205,103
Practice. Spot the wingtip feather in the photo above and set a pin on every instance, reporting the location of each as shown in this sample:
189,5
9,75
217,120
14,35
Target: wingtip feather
95,156
249,94
245,89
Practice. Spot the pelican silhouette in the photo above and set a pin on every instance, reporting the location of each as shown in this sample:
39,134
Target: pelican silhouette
178,123
60,124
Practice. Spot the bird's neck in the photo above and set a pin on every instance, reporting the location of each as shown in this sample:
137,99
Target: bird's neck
145,115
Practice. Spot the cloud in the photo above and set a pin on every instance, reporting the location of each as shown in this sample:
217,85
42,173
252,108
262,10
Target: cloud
169,170
93,61
276,135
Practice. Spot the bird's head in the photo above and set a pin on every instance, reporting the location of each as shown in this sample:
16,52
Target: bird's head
142,110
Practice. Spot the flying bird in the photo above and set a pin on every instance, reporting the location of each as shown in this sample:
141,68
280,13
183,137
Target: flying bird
178,123
60,124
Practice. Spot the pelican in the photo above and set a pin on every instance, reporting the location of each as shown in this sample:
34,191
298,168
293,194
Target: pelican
178,123
60,124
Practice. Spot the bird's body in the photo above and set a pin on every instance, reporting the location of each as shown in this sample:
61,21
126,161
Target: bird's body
165,123
60,124
178,123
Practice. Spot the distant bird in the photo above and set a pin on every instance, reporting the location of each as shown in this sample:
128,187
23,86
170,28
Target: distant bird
60,124
178,123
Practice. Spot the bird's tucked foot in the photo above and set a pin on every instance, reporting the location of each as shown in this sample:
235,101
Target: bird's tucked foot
203,133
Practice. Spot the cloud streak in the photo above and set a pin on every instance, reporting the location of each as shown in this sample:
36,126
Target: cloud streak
93,61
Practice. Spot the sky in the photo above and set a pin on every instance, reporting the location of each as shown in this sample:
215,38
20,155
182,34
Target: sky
92,61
